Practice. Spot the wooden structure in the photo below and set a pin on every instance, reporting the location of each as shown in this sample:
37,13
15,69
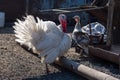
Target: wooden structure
101,53
102,16
103,12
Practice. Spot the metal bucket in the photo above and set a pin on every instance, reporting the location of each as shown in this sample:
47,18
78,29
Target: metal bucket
2,19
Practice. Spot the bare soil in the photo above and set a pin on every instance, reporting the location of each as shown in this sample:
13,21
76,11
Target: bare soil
17,64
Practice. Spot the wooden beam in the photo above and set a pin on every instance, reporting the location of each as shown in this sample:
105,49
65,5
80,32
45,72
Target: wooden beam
89,73
93,3
73,9
80,10
109,22
55,10
101,53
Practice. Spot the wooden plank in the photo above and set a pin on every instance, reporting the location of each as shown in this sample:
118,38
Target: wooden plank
101,53
80,10
74,9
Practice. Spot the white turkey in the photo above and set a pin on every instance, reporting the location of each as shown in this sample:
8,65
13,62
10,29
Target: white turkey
63,22
44,38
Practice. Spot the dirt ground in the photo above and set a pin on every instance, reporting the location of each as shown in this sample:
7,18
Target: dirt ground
18,64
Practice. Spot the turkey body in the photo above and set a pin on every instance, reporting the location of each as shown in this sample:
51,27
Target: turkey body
44,38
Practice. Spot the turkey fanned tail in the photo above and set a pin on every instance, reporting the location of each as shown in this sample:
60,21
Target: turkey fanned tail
43,37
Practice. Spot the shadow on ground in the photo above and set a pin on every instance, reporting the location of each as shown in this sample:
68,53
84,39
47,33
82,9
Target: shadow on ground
63,75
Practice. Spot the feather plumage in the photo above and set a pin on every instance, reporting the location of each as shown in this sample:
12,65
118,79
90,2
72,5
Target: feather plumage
43,37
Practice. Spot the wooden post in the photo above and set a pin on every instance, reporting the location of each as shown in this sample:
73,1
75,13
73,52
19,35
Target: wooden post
27,7
109,22
90,30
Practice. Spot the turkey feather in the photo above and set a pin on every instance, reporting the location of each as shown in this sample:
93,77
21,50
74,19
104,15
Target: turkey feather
44,37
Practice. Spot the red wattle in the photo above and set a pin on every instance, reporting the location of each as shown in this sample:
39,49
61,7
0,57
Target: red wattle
64,26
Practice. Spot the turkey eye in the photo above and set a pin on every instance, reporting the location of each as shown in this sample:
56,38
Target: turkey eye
63,17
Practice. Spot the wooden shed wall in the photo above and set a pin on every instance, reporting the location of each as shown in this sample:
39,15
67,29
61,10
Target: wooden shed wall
13,9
